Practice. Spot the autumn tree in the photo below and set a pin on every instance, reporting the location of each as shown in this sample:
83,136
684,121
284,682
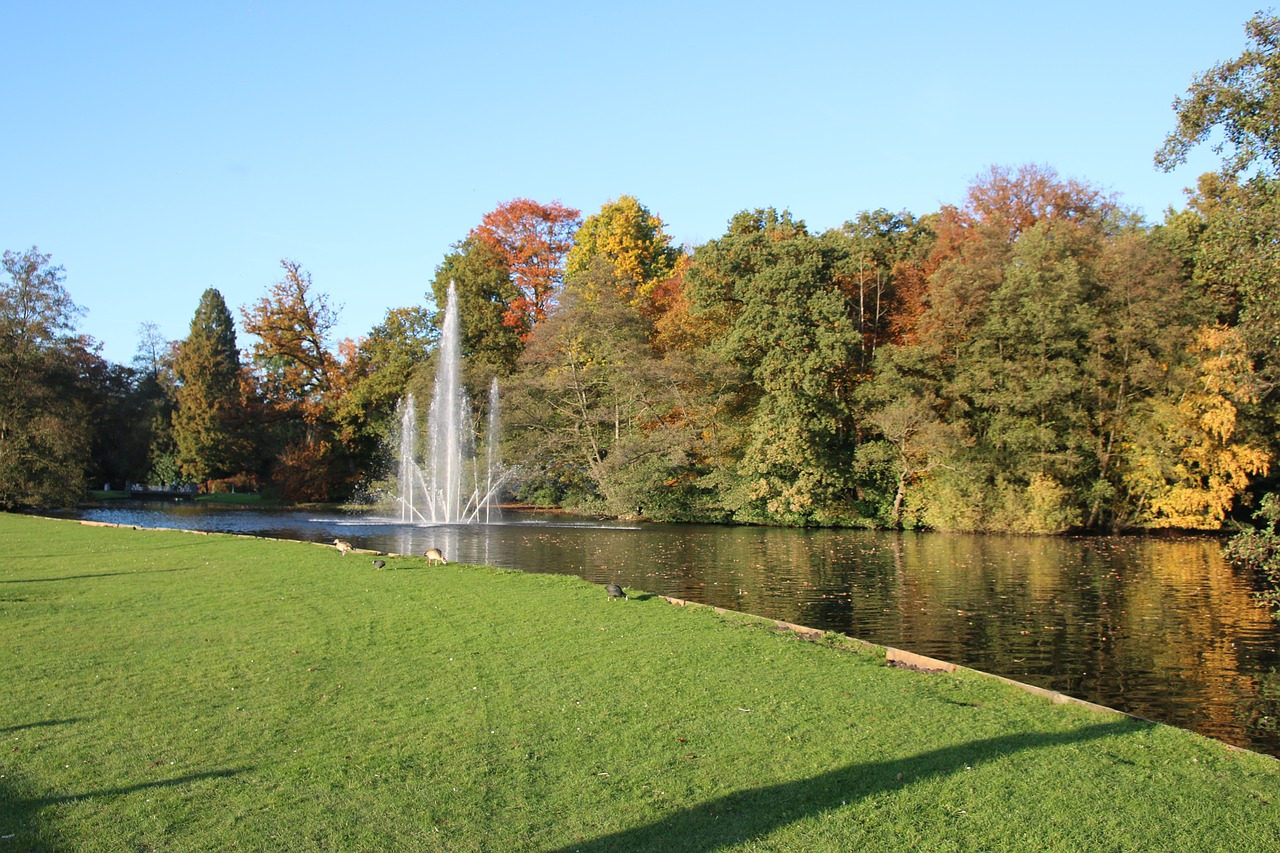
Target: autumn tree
1237,255
207,420
1193,462
44,413
886,252
1007,314
603,422
1238,214
532,240
292,324
294,370
1236,258
630,238
974,242
1237,261
1053,326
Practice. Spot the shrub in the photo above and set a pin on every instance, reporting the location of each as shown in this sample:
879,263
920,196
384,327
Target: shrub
1259,550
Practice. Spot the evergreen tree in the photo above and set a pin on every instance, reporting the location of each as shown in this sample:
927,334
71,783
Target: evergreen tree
209,407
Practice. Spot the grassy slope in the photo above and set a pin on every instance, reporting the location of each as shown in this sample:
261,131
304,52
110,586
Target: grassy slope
164,689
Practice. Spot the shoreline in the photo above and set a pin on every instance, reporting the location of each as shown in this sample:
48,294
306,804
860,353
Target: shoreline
899,658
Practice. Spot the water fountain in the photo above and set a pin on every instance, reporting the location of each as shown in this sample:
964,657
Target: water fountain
450,487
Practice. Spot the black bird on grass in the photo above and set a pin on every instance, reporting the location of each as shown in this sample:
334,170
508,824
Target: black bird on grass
377,564
614,591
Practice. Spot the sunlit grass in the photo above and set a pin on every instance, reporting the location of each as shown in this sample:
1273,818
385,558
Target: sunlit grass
165,689
237,498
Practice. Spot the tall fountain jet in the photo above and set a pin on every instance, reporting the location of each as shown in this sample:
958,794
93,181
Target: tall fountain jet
449,488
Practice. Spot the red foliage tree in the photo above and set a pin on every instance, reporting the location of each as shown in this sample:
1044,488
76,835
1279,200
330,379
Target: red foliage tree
533,240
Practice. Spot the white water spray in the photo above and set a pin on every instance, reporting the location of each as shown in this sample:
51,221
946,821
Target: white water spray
450,488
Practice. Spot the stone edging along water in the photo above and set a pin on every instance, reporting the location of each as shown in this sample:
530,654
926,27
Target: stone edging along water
894,657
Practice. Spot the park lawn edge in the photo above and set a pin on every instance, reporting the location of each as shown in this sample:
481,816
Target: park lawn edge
725,737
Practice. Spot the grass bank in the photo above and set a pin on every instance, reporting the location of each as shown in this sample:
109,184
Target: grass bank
232,498
171,690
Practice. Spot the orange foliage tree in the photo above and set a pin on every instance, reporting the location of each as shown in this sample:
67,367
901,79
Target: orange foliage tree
293,323
533,240
294,376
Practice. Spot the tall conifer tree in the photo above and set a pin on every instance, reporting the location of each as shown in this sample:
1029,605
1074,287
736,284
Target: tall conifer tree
209,399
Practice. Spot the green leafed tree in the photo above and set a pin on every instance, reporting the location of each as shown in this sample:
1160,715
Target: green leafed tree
372,375
44,408
599,419
1148,312
1236,255
1021,375
1239,97
906,438
778,304
884,249
206,423
486,293
1237,103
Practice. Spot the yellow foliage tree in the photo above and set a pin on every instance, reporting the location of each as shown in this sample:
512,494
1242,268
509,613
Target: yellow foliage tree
631,239
1190,464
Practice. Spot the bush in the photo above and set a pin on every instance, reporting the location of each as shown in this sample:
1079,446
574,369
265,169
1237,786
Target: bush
1259,551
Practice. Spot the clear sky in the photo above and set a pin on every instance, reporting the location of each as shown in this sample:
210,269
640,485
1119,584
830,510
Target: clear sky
158,149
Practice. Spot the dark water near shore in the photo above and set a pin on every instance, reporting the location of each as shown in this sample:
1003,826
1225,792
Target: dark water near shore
1159,627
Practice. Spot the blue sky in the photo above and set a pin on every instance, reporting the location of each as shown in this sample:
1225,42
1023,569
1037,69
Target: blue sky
157,149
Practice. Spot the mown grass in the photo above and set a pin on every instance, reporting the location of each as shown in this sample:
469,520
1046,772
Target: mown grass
231,498
186,692
235,498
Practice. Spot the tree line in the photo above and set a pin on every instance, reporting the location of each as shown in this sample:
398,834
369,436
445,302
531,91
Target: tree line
1036,358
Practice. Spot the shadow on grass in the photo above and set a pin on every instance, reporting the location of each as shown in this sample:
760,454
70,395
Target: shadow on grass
752,814
40,725
141,786
96,576
22,825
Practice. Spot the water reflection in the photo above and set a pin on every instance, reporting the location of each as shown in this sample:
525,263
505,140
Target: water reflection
1160,627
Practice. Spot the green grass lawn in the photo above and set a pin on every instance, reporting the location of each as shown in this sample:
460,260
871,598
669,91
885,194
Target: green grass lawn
237,498
186,692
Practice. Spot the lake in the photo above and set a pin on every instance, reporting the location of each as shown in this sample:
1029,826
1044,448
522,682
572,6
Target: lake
1161,627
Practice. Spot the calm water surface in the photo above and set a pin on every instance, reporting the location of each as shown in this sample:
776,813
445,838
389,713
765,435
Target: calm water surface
1159,627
